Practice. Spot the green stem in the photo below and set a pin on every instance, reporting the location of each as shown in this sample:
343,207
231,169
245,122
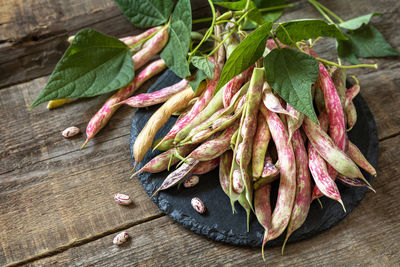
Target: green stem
274,8
220,43
275,41
315,4
375,66
209,31
329,11
227,21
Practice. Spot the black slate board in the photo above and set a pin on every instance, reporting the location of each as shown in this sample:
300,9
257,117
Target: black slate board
219,223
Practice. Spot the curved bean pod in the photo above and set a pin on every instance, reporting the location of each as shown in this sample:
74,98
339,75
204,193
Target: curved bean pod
224,170
351,93
329,151
155,45
157,120
339,80
160,162
205,166
100,119
149,99
292,122
351,115
287,185
260,145
356,155
303,187
354,182
262,209
176,176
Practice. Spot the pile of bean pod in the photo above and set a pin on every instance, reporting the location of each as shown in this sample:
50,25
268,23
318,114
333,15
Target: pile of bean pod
255,138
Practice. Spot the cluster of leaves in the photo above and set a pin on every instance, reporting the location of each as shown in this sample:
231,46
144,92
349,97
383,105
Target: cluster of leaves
96,63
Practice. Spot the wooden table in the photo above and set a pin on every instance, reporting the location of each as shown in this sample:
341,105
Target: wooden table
56,204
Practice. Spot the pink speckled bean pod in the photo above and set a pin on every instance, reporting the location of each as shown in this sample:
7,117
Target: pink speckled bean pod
337,127
219,56
100,119
272,102
206,166
200,104
176,176
329,151
339,80
356,155
262,209
160,162
287,185
324,123
303,187
321,177
206,124
351,115
131,40
224,170
248,129
231,88
351,94
260,145
214,147
155,45
292,122
149,99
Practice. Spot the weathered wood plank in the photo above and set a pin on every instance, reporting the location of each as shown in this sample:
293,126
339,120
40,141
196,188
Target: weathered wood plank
33,35
368,236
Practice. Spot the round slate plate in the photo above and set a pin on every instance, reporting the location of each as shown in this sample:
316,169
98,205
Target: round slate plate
219,223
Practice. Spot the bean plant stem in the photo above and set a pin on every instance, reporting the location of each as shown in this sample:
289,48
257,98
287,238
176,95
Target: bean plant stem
315,4
347,67
208,33
328,11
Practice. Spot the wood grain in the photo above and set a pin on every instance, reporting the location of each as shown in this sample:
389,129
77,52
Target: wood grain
33,34
57,200
368,236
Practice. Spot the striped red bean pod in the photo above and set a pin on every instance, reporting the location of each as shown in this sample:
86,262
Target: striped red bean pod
100,119
287,185
303,187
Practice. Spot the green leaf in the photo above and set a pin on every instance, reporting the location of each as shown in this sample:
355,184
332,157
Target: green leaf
291,74
245,54
365,42
175,52
146,13
200,76
93,64
204,64
299,30
353,24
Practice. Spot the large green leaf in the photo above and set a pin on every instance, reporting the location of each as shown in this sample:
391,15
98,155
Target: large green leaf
353,24
202,63
94,64
299,30
175,52
245,54
364,42
146,13
291,74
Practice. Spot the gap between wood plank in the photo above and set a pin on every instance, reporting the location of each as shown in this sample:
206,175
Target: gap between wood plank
80,242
